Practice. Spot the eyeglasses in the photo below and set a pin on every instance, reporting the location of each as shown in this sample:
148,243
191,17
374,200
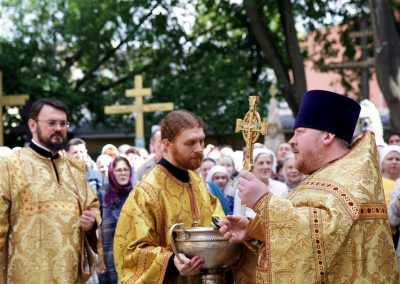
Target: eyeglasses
122,170
54,123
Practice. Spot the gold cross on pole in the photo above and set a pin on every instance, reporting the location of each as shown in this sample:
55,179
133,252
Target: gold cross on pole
138,107
15,100
251,127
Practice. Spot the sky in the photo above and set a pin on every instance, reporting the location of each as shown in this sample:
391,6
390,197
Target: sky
4,23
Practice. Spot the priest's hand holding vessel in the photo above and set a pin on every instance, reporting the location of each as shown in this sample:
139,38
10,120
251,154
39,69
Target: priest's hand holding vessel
207,244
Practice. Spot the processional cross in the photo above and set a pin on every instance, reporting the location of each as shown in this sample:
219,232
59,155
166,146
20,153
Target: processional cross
251,127
139,108
15,100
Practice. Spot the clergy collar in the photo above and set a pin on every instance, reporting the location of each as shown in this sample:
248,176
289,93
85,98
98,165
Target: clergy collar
181,175
42,151
325,165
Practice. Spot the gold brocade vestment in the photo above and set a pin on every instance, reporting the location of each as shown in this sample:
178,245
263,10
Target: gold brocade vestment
39,218
333,228
142,248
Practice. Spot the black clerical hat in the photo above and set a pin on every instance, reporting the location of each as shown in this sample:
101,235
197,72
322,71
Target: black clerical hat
328,111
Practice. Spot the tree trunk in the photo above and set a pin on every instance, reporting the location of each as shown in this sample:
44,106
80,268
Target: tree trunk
293,48
259,28
387,57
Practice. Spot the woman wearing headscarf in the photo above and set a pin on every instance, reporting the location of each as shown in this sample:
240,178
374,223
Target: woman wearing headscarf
112,197
264,165
229,164
219,175
389,157
110,149
291,174
103,162
390,168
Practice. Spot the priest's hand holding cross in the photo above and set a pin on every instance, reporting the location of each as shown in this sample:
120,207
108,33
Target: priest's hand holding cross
250,188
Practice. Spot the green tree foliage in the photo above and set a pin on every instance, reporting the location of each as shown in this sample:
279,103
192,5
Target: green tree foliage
87,52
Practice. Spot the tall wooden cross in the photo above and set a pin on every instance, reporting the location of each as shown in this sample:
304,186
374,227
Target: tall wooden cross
251,127
15,100
366,61
139,108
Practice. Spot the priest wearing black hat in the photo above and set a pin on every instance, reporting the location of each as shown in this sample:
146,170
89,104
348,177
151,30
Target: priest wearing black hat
333,228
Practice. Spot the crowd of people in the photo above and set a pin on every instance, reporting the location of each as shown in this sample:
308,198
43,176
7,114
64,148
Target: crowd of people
119,170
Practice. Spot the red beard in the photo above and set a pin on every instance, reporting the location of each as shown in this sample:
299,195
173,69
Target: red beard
186,162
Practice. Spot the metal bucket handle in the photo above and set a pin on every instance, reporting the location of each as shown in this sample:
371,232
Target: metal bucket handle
171,234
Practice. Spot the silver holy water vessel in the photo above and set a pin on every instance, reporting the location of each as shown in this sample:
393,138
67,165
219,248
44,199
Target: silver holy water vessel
207,242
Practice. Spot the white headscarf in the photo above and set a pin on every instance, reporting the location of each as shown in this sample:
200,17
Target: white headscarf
386,150
258,151
218,169
109,146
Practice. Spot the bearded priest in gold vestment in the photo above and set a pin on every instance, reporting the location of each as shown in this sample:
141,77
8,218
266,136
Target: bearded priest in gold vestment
333,228
170,193
48,212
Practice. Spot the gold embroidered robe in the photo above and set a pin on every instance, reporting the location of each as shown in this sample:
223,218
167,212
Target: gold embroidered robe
39,218
333,228
142,247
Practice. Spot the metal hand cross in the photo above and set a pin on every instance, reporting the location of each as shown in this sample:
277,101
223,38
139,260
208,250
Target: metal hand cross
251,127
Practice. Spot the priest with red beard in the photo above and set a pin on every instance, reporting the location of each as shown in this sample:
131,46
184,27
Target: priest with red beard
170,193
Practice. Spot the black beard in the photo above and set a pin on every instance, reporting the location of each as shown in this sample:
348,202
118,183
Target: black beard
54,146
